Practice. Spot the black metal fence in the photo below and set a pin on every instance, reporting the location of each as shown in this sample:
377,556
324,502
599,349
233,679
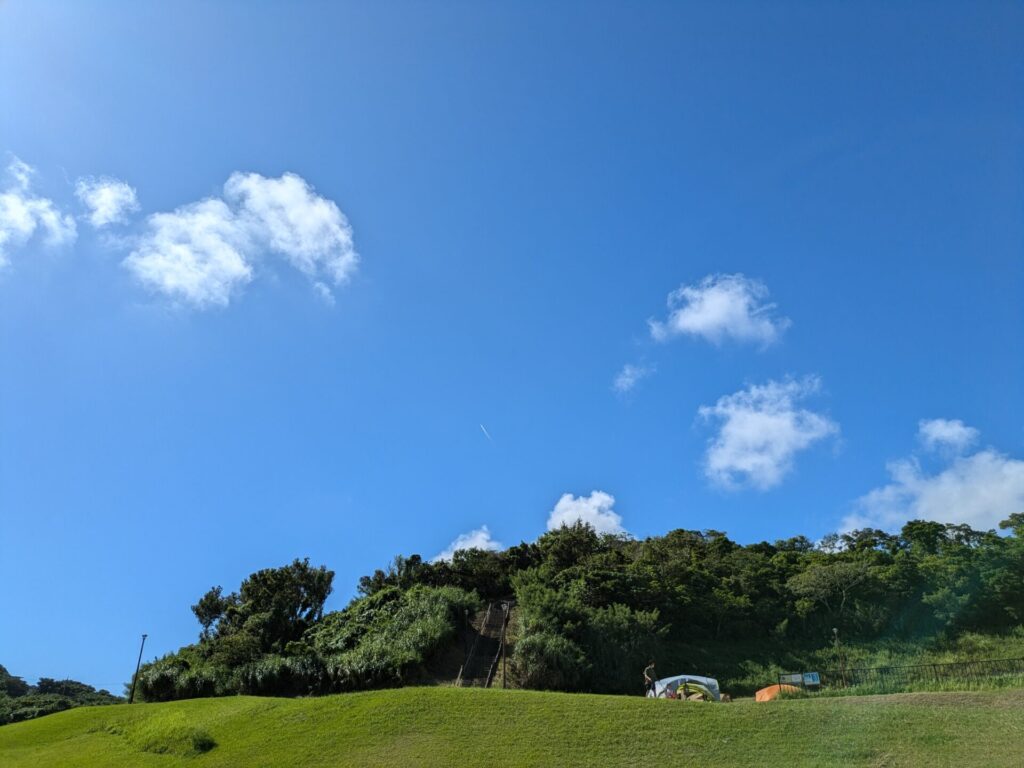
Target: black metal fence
918,675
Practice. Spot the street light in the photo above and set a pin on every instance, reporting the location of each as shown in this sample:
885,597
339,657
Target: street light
839,654
135,678
504,666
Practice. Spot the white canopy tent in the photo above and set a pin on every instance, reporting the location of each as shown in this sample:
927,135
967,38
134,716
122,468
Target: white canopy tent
692,683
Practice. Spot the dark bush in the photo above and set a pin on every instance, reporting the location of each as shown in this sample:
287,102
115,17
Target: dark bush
551,662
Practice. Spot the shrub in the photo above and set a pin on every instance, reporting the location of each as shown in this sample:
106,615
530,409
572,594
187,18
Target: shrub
547,661
281,676
392,635
170,734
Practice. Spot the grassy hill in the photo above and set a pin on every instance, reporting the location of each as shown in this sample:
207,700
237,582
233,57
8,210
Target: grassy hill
448,726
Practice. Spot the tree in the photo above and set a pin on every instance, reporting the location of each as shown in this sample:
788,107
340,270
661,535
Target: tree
280,604
275,606
869,539
1015,523
831,585
924,535
211,609
568,545
11,685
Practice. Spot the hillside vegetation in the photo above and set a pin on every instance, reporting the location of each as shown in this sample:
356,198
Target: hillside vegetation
592,609
21,701
454,726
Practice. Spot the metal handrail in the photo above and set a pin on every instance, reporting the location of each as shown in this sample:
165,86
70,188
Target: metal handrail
472,649
501,649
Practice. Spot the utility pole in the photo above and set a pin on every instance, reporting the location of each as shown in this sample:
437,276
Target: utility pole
839,655
504,667
135,678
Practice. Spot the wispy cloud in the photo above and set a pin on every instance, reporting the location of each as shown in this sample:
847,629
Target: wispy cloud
946,434
202,253
23,214
109,201
721,307
980,489
761,429
597,509
478,539
630,376
324,293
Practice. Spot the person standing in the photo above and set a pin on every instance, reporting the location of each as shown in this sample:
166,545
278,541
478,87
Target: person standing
649,678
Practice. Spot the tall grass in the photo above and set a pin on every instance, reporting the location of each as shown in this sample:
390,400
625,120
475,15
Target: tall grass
744,667
997,683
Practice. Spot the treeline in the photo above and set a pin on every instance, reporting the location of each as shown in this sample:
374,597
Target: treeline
21,701
593,608
271,638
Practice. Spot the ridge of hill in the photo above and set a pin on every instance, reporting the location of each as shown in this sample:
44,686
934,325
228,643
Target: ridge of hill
593,609
445,726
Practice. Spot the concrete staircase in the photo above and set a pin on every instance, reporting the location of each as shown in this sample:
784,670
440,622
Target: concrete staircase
485,651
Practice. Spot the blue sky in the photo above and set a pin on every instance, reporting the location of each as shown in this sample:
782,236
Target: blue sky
800,224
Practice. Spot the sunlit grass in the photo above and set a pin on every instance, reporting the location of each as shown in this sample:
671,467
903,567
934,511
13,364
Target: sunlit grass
450,726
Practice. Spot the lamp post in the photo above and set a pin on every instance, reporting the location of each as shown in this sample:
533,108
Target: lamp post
135,677
504,666
839,654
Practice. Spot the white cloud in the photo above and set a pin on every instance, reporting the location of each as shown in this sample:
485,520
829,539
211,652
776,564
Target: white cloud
22,214
761,430
194,255
595,509
109,200
21,172
950,434
203,253
980,489
721,307
323,292
478,539
308,230
630,376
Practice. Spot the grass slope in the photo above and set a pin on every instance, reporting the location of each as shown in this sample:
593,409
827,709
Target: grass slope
449,726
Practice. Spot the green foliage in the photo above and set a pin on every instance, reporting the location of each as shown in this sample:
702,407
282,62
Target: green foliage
275,606
13,710
619,641
21,701
182,676
12,686
381,639
384,638
591,609
547,661
573,637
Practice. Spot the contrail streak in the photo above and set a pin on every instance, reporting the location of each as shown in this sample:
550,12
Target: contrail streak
486,433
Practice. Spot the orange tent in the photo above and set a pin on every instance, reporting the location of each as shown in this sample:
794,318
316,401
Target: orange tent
773,691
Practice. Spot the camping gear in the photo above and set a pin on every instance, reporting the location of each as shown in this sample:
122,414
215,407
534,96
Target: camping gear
774,691
706,687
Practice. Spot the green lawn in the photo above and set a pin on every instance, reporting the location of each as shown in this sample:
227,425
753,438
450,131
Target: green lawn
449,726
